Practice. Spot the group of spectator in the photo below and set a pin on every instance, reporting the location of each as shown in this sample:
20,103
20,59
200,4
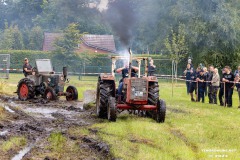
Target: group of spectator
208,82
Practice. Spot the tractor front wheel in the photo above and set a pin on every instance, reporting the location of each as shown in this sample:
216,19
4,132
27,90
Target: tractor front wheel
72,93
25,89
161,111
50,94
111,109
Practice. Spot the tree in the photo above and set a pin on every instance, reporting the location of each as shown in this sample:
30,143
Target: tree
68,44
11,38
36,38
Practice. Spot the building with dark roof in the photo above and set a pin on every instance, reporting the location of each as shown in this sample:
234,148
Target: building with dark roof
90,43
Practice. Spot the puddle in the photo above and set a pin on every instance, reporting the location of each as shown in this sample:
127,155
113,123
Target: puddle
23,152
8,109
3,133
45,112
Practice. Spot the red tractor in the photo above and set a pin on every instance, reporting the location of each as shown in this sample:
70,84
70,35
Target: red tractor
140,94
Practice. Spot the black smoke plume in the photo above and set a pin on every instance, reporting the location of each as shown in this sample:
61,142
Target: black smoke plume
121,17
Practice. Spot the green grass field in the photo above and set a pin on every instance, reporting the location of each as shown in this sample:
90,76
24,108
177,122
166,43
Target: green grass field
192,130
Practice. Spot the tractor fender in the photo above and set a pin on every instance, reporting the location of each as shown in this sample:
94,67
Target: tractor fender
108,78
104,76
152,79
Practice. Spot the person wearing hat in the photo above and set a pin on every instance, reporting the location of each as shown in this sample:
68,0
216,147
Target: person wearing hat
27,68
201,80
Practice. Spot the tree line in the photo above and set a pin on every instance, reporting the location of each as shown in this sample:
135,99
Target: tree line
206,30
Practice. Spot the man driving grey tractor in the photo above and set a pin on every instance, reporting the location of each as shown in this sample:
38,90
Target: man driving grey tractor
124,71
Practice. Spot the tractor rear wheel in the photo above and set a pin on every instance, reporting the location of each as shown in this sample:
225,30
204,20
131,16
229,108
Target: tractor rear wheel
73,93
161,111
153,97
105,89
50,94
153,93
111,109
26,89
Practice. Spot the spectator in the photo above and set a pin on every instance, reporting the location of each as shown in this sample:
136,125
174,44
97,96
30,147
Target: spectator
237,71
228,78
221,91
210,88
206,74
237,80
187,73
151,68
193,85
201,85
27,68
215,85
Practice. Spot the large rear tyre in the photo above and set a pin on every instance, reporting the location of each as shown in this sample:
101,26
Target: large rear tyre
105,89
161,111
153,93
73,93
111,109
50,94
153,97
26,89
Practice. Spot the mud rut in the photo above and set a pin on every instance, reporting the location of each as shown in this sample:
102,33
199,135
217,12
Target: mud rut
37,119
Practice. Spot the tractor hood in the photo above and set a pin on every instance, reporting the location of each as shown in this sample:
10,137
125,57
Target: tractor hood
44,66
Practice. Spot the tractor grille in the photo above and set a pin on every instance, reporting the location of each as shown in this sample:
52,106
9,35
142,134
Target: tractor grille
138,89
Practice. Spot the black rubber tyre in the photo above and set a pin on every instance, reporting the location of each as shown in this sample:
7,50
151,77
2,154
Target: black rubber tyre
153,93
73,93
111,109
25,89
104,90
50,94
161,111
153,97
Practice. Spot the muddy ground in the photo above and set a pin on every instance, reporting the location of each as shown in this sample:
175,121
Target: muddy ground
53,130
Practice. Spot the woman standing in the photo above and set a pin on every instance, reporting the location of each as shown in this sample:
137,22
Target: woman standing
215,85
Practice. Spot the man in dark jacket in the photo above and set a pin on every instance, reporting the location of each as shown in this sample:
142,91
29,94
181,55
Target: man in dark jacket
151,68
228,78
201,80
221,91
27,68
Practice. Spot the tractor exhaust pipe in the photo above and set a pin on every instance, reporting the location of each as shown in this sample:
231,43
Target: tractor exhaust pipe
130,63
65,72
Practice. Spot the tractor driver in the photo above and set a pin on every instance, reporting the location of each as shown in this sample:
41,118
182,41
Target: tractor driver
124,71
27,68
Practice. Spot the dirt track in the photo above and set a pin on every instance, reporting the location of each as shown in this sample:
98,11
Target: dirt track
37,119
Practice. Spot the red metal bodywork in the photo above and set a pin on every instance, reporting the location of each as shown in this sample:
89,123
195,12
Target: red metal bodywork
140,107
